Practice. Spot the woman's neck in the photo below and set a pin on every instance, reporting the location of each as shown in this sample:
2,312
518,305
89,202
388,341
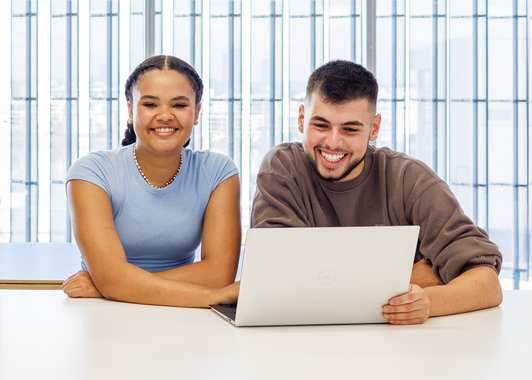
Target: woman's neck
158,168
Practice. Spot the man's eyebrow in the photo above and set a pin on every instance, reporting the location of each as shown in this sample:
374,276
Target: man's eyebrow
323,120
354,122
319,118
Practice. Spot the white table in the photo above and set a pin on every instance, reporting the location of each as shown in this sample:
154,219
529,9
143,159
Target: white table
46,335
37,265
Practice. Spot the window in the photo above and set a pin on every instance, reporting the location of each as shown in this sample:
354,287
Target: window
453,76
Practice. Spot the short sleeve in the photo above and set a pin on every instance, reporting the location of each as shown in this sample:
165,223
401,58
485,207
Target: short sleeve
92,168
217,168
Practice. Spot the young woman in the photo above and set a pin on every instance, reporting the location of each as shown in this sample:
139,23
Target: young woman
139,212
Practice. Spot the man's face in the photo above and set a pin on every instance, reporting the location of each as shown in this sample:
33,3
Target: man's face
336,136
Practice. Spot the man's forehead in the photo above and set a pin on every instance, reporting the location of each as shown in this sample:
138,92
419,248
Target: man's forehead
318,102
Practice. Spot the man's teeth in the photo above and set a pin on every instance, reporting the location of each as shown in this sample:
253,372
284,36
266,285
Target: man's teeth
332,157
164,129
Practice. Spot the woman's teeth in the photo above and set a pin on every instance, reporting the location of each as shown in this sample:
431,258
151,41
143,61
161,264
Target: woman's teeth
164,129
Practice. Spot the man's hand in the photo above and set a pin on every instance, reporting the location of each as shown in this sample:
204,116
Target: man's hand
423,275
409,308
80,285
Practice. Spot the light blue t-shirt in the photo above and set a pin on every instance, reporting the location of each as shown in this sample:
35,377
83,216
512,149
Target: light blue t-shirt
160,229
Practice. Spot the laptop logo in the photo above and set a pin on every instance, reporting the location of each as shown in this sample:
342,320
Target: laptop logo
327,277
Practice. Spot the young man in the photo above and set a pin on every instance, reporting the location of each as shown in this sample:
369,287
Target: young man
335,178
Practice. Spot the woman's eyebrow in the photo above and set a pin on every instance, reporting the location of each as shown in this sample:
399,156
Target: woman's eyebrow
182,97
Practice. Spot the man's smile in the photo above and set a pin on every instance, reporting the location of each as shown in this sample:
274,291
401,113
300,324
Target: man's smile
332,157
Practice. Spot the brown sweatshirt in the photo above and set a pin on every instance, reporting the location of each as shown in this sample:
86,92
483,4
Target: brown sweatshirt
393,189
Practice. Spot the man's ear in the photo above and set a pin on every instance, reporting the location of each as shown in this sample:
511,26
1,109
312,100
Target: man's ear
301,118
375,127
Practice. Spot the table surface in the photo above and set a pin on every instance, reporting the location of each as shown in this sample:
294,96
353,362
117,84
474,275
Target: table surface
46,335
38,262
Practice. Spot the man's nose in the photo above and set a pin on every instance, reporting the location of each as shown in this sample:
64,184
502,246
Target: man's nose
334,139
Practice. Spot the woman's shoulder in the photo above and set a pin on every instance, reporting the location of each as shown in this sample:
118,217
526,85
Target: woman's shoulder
205,155
104,157
100,163
207,160
211,168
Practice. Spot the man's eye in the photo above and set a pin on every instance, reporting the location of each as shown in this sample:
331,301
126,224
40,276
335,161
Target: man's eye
351,130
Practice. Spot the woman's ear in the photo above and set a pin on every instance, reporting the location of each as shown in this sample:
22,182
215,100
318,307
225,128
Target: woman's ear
196,116
130,113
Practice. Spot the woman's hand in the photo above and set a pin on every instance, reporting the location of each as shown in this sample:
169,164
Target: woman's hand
80,285
227,295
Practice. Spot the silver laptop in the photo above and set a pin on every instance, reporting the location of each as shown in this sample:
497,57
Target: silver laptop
314,276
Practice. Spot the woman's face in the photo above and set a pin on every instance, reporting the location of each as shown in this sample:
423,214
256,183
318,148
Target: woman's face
163,111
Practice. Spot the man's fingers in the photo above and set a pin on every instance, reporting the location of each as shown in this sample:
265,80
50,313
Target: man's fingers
420,304
409,308
415,321
405,316
414,293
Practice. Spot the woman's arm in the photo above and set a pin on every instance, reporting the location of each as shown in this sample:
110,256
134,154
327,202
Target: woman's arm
109,270
220,242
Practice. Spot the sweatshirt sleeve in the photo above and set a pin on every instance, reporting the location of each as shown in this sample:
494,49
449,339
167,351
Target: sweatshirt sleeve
276,203
278,199
448,237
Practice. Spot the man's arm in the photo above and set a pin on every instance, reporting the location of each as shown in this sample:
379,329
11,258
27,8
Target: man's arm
478,288
276,203
460,255
423,275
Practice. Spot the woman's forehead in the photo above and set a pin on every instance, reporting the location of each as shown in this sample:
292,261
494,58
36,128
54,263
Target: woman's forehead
163,81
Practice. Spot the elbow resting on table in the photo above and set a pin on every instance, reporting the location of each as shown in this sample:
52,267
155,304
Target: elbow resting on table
491,286
109,285
497,294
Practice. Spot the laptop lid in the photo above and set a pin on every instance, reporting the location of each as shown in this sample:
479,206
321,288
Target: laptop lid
329,275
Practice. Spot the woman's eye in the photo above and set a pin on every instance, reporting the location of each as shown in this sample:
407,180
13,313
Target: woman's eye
149,105
179,105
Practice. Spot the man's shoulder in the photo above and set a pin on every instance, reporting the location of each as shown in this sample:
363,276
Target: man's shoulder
399,161
286,150
282,157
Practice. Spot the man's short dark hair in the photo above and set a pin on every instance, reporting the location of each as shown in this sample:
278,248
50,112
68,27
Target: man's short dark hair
342,81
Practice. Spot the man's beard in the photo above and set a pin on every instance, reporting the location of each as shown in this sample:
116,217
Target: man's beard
348,170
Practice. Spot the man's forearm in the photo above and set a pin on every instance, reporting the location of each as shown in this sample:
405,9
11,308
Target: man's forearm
478,288
423,275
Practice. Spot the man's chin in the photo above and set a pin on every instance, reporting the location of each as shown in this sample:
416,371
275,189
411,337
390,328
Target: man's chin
328,175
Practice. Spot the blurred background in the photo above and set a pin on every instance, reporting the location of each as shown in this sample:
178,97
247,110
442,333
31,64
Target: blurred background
453,75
